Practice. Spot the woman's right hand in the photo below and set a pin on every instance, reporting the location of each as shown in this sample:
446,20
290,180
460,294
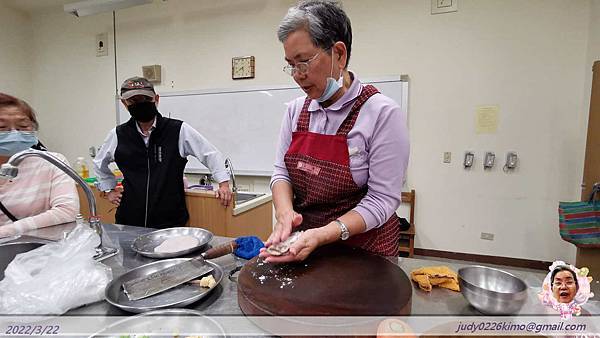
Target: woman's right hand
286,221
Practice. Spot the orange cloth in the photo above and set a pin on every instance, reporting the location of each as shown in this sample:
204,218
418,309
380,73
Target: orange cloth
430,276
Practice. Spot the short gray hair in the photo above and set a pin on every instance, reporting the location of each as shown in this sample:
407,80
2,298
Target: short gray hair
324,20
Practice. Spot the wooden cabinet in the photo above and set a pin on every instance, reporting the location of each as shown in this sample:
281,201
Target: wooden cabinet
206,212
104,208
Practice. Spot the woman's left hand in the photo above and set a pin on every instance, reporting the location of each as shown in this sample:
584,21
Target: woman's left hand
299,251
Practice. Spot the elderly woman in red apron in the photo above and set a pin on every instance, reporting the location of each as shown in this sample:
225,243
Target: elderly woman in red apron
343,148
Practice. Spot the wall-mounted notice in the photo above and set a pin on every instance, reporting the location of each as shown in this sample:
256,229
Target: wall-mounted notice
486,119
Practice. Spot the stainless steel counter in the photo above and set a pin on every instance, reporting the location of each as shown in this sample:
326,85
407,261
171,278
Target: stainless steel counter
446,302
223,300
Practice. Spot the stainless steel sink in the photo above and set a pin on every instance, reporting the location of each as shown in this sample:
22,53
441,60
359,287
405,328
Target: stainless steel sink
8,251
242,197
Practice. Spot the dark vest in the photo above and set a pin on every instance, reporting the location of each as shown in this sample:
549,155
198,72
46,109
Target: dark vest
153,193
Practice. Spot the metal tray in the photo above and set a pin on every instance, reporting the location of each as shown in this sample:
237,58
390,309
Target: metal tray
173,322
179,296
145,244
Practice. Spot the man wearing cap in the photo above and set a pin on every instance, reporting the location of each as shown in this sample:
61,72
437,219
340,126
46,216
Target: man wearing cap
151,151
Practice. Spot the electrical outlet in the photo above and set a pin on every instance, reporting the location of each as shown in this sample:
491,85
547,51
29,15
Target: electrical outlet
469,159
488,161
102,44
447,157
511,160
443,6
487,236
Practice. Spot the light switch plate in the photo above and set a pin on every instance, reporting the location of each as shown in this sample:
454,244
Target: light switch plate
447,157
102,44
443,6
488,160
92,151
487,236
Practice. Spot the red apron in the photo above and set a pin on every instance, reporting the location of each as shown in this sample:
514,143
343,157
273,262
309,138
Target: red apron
324,190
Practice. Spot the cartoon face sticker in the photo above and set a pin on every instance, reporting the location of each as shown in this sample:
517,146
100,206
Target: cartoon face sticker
566,288
564,284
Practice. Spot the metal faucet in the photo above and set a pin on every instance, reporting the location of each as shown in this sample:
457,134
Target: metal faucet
206,179
9,170
229,166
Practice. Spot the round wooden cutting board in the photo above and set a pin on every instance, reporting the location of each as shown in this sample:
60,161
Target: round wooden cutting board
334,280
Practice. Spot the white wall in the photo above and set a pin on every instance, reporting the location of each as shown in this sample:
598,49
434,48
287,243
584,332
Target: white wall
528,57
15,52
74,87
524,56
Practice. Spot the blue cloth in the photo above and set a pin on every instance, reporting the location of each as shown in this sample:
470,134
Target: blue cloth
248,246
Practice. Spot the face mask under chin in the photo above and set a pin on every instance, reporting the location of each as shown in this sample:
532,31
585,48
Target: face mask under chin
143,111
332,86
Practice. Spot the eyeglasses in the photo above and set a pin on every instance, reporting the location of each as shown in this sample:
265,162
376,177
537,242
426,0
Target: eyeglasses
300,67
569,284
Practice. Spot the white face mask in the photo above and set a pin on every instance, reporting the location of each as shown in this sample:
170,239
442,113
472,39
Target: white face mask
333,85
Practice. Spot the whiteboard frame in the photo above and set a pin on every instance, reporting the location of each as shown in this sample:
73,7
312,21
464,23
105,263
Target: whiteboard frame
386,79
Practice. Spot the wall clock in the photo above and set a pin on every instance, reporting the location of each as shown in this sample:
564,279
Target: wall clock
242,67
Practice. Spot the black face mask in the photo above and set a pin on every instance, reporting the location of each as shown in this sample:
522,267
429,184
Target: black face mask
143,111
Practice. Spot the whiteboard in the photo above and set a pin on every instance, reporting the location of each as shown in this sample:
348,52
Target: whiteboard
244,123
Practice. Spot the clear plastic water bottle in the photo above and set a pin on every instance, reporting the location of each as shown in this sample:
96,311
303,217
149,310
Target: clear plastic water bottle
82,167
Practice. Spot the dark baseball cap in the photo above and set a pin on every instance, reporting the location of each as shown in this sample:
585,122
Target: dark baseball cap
137,86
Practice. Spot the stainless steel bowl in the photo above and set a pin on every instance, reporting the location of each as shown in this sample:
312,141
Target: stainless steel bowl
166,323
146,243
492,291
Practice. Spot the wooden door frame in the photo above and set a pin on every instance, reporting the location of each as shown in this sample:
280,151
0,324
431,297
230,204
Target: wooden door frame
591,169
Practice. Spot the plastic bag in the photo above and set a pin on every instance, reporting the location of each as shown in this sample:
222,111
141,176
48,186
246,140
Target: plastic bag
55,277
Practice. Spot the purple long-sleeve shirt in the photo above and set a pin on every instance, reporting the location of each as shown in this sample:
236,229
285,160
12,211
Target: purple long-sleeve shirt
378,146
